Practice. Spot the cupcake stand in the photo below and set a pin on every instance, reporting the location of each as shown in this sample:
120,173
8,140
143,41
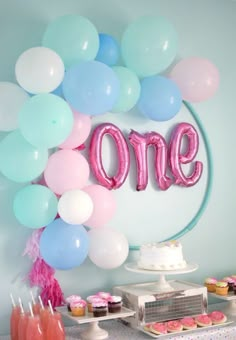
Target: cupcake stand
93,331
161,285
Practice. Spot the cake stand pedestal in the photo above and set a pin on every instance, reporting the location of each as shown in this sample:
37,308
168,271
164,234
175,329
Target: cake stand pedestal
161,285
230,307
93,331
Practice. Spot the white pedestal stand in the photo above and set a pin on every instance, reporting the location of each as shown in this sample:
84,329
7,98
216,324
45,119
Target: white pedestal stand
161,285
93,331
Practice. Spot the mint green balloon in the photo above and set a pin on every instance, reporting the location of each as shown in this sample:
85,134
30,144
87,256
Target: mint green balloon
73,37
35,206
149,45
45,120
129,89
20,161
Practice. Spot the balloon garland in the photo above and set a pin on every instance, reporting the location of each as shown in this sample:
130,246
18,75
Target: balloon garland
61,84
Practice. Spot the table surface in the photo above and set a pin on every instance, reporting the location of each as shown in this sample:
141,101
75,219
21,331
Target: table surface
119,331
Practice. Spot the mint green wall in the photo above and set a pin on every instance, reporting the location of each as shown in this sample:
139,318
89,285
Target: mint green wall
206,28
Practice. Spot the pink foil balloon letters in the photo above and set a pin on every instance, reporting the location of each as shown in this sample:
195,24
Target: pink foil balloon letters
176,158
96,156
140,144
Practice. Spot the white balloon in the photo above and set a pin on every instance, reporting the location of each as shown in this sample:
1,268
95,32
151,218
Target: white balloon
12,98
108,247
75,206
39,70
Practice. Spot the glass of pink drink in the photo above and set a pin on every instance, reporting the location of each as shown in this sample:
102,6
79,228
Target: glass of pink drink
14,319
44,315
55,327
34,329
22,326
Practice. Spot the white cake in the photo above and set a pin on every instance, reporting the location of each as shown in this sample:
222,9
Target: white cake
161,256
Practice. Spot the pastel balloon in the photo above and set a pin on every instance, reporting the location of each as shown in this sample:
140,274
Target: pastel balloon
80,131
12,98
45,120
91,87
64,246
19,160
140,144
66,170
104,205
35,206
129,89
160,98
108,248
197,78
95,155
176,158
73,37
75,206
39,70
149,45
109,50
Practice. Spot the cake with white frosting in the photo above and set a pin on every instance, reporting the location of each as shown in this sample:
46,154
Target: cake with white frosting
161,256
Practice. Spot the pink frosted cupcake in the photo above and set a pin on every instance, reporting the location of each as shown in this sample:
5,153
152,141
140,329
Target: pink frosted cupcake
114,304
90,299
230,281
104,295
210,283
78,307
99,307
70,299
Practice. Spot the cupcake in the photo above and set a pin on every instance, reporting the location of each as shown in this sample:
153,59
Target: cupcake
114,304
78,307
71,298
234,288
222,288
103,295
90,299
230,282
210,283
99,307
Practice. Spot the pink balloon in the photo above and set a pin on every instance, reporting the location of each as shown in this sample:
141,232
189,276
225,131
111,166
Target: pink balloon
66,170
80,132
104,205
140,144
96,156
197,78
176,158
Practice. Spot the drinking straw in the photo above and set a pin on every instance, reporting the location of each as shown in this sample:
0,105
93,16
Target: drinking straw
50,306
32,297
31,310
21,306
12,300
41,302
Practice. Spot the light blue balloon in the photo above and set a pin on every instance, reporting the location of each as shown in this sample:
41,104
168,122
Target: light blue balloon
35,206
109,50
91,88
160,98
129,89
149,45
64,246
73,37
20,161
45,120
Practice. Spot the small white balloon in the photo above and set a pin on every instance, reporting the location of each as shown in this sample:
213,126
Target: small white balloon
108,248
39,70
12,98
75,206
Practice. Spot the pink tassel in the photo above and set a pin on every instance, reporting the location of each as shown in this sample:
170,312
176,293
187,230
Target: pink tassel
53,292
41,274
32,245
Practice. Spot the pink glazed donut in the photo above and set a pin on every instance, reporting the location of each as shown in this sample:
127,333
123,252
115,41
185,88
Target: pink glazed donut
158,328
217,317
188,323
203,320
174,326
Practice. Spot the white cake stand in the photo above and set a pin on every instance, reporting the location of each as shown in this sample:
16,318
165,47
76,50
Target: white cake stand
162,285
